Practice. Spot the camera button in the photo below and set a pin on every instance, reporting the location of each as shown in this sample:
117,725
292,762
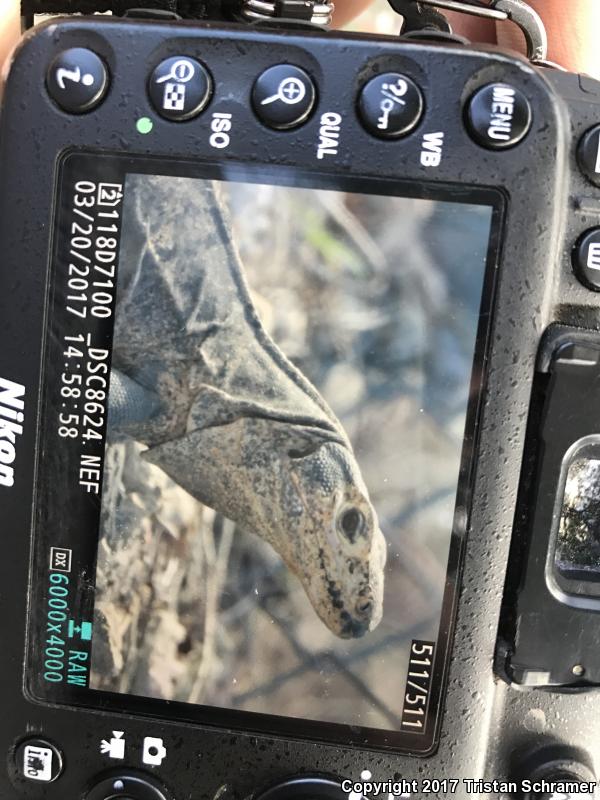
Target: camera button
77,80
179,88
586,259
390,105
39,760
498,116
283,97
588,155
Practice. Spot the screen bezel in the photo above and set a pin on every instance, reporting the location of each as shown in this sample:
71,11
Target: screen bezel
114,168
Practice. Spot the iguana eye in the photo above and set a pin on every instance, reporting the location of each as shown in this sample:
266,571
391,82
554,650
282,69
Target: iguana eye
352,524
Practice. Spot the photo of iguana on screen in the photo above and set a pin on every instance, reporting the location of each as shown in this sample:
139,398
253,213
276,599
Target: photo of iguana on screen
289,387
228,417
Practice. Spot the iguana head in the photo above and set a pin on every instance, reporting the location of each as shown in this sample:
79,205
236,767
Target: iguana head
298,487
338,551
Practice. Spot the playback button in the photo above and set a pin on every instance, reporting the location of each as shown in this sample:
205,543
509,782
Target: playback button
179,88
390,105
77,80
38,760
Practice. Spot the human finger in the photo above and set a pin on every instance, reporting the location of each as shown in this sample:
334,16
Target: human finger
572,29
10,27
347,10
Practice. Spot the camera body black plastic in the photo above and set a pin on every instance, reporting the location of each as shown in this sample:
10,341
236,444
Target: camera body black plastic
544,204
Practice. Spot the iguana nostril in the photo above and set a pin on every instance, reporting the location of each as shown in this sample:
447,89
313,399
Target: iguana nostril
364,607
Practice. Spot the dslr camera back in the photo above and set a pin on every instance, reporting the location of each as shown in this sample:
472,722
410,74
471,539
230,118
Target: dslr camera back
299,390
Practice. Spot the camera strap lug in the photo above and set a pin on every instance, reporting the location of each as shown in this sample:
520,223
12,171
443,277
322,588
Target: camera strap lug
316,13
293,12
424,14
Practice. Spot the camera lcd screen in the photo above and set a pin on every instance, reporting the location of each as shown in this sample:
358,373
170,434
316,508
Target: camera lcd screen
260,409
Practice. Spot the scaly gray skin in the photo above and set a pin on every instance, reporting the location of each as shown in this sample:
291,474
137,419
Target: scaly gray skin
222,410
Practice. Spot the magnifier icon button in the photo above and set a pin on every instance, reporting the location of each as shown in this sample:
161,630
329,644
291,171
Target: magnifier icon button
182,71
179,88
283,97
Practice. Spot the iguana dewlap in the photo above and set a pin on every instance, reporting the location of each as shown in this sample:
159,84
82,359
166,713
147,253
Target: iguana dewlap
224,413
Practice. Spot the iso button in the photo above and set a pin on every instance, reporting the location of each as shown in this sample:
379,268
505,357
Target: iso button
390,105
283,97
77,80
498,116
586,259
179,88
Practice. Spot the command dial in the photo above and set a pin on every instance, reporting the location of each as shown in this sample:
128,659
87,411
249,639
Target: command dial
305,788
127,786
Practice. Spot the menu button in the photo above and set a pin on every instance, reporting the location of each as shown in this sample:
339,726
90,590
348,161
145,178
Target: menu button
498,116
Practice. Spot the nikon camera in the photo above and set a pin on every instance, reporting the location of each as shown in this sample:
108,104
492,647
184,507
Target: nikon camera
299,415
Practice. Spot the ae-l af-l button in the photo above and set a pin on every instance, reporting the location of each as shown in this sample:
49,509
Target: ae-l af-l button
498,116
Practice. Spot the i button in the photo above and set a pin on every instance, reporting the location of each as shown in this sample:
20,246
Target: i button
77,80
498,116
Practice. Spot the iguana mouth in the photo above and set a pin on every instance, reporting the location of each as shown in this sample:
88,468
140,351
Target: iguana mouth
353,628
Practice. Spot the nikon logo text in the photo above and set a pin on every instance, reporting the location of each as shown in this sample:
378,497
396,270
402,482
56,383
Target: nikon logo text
12,408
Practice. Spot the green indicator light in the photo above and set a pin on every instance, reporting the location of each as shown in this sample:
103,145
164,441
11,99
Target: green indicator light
144,125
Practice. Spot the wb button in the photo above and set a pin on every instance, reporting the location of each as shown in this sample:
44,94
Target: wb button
390,105
498,116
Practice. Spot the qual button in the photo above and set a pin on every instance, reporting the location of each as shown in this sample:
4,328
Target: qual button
179,88
283,97
498,116
390,105
77,80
